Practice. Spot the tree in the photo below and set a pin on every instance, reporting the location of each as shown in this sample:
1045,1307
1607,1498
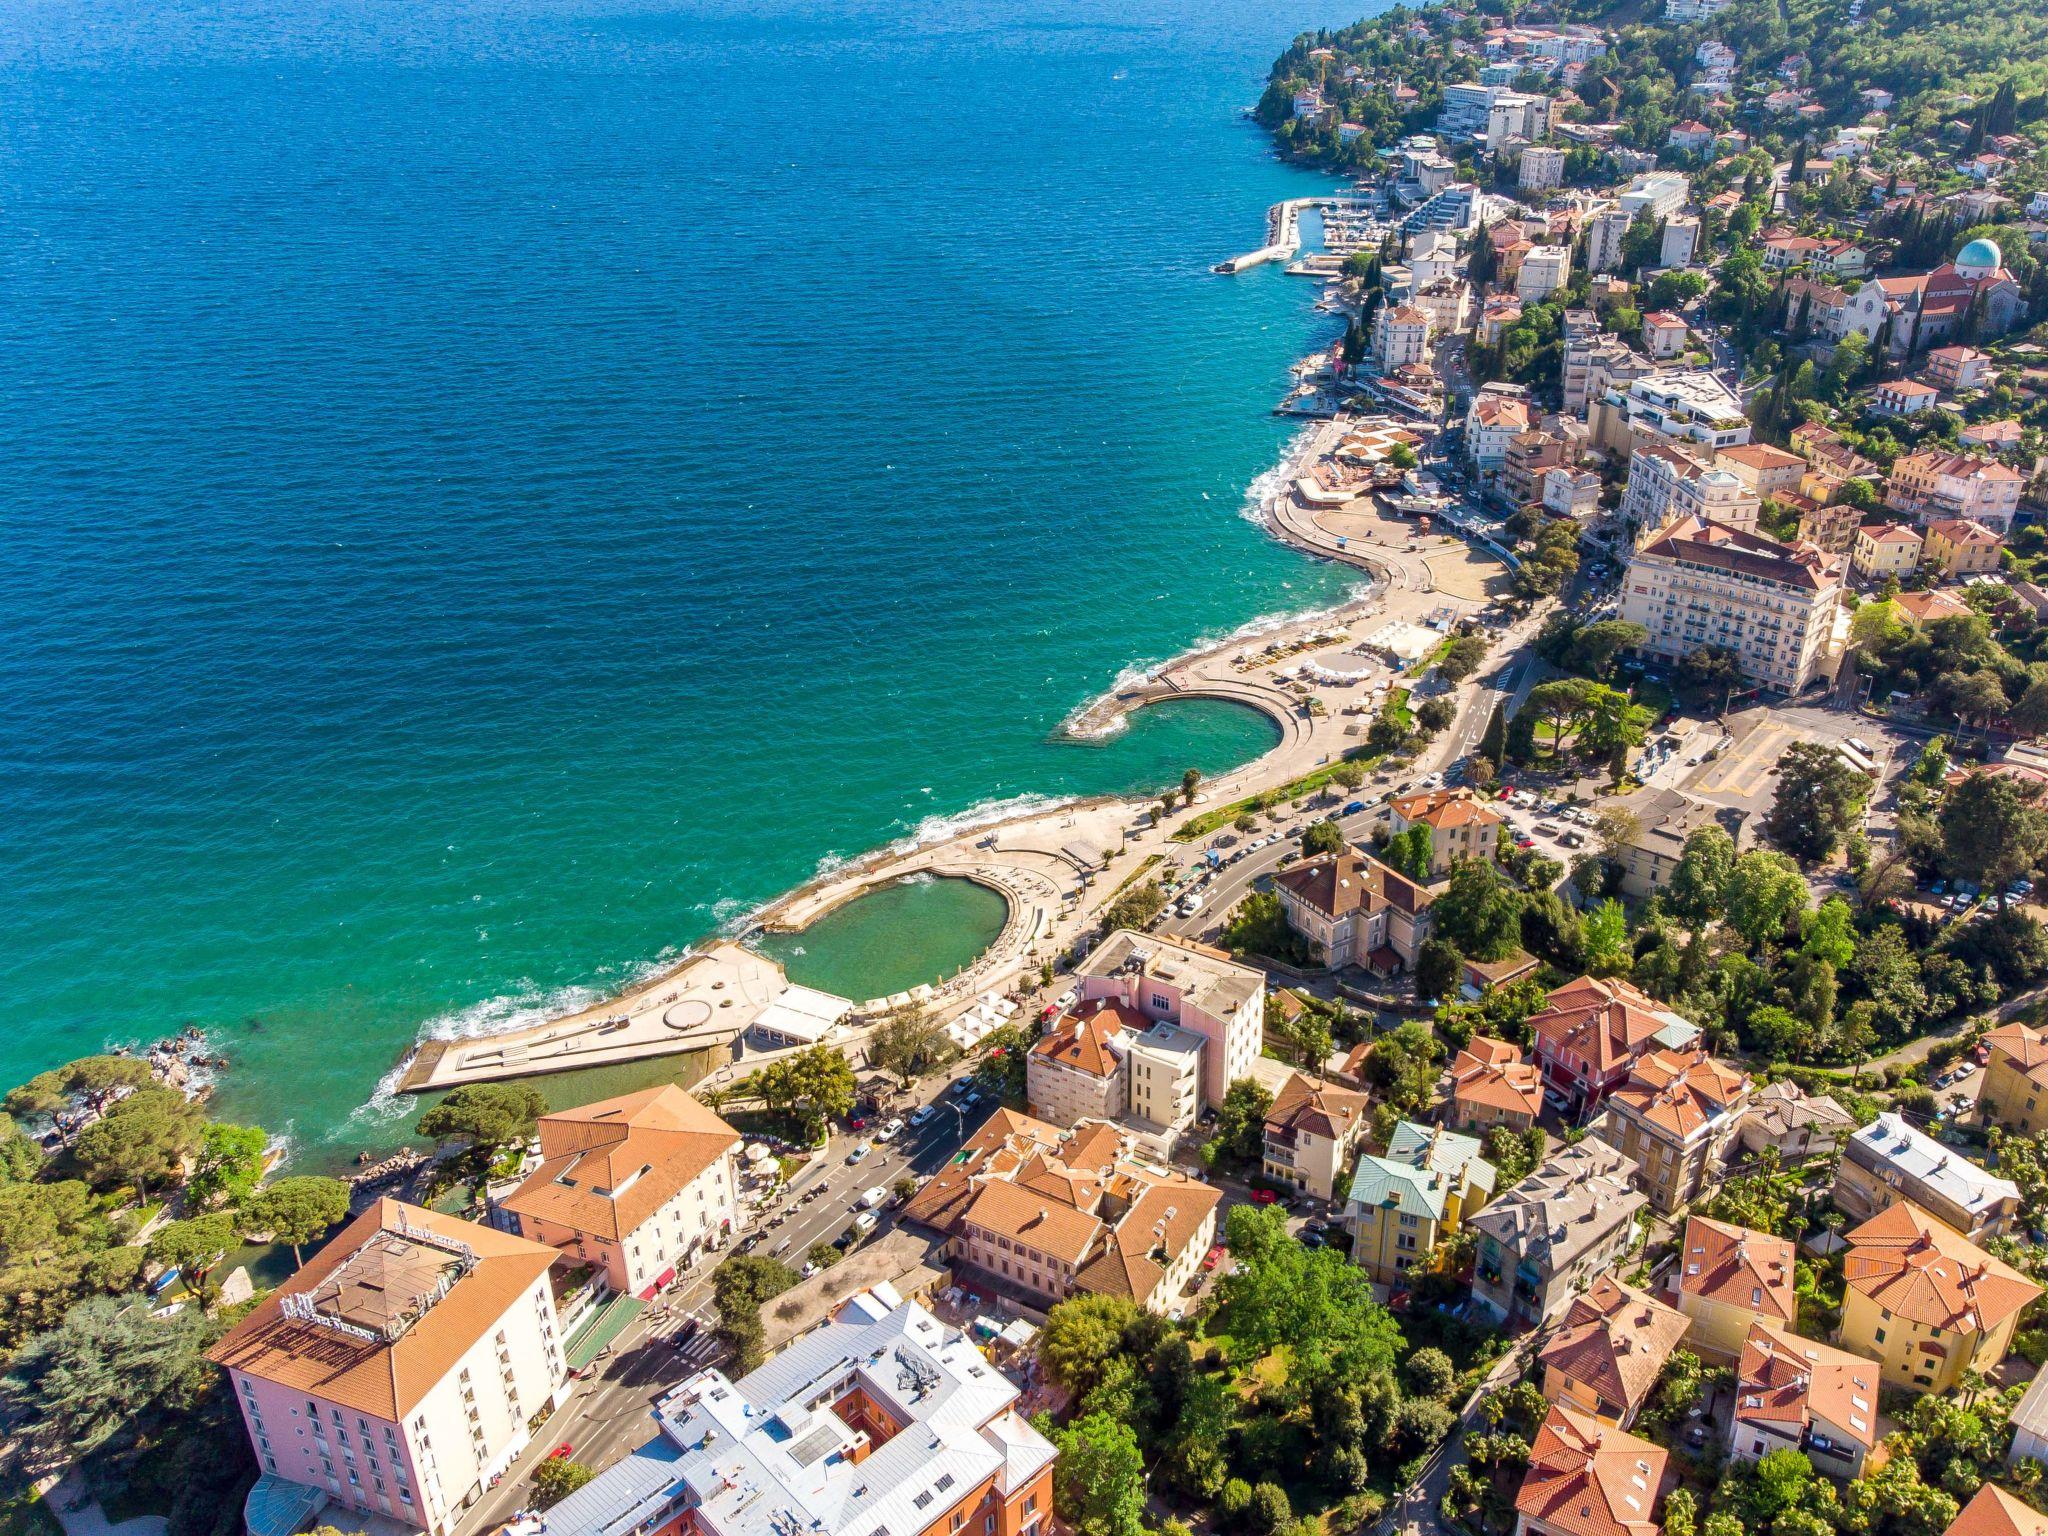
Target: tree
1619,829
297,1210
739,1287
1699,883
194,1247
1479,912
1189,782
815,1085
556,1478
145,1137
1595,648
1992,834
1081,1336
1321,837
1135,908
1819,800
1435,714
909,1042
1430,1373
92,1079
489,1116
1560,702
72,1387
1099,1479
1438,969
1707,671
1461,658
1271,1512
1311,1303
230,1165
1240,1122
1765,893
1412,852
1828,933
1608,947
1494,743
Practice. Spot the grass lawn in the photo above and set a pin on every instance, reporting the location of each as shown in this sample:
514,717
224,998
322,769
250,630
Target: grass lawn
1223,815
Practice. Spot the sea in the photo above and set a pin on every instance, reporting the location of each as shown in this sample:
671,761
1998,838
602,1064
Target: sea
492,491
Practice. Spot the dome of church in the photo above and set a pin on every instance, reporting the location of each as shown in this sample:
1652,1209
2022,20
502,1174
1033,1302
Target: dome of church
1980,258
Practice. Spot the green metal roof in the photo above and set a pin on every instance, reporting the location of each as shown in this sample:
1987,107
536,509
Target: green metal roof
600,1328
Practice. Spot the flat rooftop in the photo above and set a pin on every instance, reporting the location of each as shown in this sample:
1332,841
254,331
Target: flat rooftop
386,1285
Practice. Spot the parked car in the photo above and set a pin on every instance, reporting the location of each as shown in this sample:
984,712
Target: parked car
859,1153
892,1130
864,1223
922,1113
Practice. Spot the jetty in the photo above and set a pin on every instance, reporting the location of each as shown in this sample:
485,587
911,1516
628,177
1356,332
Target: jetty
1283,232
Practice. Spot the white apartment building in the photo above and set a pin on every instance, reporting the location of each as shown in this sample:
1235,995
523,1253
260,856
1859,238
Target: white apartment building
1541,168
1513,116
1204,992
1657,193
1594,363
1666,484
1681,241
1605,226
1447,302
1432,257
1545,269
1400,335
1699,583
1496,416
1694,10
396,1372
1688,405
1466,108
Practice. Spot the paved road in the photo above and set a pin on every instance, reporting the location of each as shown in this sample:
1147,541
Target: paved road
607,1414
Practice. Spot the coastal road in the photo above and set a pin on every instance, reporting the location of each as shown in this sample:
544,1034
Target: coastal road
608,1413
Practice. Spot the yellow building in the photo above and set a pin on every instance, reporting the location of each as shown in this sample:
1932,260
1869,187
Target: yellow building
1729,1278
1427,1184
1926,1302
2014,1092
1605,1357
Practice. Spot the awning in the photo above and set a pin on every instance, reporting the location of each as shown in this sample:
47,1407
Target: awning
277,1506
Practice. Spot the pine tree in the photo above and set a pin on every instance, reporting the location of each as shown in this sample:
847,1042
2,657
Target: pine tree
1494,742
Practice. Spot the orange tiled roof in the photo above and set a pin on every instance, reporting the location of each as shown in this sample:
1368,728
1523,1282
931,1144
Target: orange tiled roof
1441,808
1739,1267
1602,1020
1785,1379
1615,1339
1929,1273
1680,1092
647,1147
1491,1073
1586,1479
1081,1038
1994,1512
387,1378
1307,1104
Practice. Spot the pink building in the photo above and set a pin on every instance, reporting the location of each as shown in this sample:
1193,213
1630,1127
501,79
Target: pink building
396,1373
638,1187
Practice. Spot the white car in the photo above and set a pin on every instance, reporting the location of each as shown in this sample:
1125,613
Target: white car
872,1196
865,1223
859,1153
1190,905
892,1130
921,1114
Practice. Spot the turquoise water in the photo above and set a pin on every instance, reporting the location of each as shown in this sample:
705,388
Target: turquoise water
497,491
892,938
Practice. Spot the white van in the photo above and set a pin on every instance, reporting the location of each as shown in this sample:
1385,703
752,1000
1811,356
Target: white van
872,1196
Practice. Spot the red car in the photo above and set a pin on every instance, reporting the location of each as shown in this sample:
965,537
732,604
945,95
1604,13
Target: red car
563,1450
1215,1256
857,1123
1263,1197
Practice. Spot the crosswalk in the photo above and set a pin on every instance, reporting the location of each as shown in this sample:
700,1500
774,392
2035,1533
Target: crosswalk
699,1349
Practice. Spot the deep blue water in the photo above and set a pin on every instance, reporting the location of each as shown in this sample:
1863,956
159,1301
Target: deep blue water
489,492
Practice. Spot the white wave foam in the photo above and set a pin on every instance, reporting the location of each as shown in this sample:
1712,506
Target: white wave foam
1273,483
939,829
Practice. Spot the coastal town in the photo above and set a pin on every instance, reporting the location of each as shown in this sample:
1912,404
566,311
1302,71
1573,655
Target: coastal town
1588,1078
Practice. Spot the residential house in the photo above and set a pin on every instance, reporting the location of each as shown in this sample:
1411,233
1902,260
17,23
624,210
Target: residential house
638,1186
1960,546
1491,1084
1497,415
1685,405
1077,1070
399,1372
1903,397
1796,1394
1681,242
1885,549
1425,1187
1606,1354
1675,1119
1461,825
1728,1278
1690,137
1591,1033
1311,1132
1801,1126
1586,1478
1664,335
1541,168
1926,1302
882,1412
1765,470
1888,1161
1544,1241
1594,363
1923,608
1957,370
1545,269
1999,436
1354,910
1047,1213
1530,456
1401,336
1650,857
2014,1092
